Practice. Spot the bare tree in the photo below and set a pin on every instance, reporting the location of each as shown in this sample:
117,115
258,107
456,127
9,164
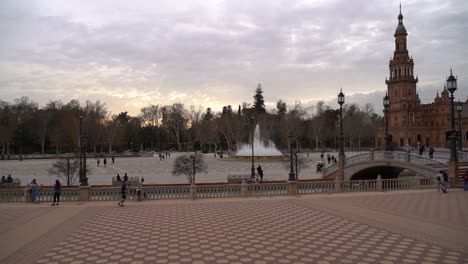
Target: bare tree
189,165
67,170
300,162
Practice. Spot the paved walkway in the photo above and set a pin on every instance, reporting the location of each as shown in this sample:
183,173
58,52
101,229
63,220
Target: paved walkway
392,227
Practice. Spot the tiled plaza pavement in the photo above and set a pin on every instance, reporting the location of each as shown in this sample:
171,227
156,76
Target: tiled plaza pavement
342,228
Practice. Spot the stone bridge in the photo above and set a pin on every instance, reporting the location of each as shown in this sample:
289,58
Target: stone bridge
389,164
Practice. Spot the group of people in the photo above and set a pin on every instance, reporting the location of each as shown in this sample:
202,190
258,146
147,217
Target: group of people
34,188
162,156
98,161
330,158
8,179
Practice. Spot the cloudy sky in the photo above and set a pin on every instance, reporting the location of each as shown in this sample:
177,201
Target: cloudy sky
129,54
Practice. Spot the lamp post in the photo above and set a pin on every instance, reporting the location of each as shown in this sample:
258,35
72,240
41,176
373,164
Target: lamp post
386,104
341,155
291,140
341,99
83,142
459,110
452,87
252,169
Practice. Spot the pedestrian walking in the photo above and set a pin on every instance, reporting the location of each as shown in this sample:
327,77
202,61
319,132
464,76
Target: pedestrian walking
113,159
439,180
328,159
118,177
123,193
34,189
260,172
465,181
431,152
445,183
98,161
105,162
125,177
57,192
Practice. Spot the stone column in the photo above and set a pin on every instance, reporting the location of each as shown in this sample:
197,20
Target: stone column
379,183
193,190
338,184
292,188
453,173
244,189
26,194
84,193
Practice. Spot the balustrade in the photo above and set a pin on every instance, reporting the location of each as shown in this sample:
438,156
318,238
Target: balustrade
12,195
218,191
268,189
316,187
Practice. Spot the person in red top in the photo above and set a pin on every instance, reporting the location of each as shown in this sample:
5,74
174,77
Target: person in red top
465,181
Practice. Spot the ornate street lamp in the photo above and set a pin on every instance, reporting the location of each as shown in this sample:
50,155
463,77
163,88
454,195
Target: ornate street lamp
341,100
459,110
291,140
452,87
386,104
252,169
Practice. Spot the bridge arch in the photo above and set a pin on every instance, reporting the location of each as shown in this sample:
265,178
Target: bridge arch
388,164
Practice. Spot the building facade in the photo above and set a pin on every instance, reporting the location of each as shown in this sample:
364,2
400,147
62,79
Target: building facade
410,122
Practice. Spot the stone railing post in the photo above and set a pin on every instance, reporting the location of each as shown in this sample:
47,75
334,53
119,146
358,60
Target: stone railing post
292,188
244,189
338,184
26,195
193,191
379,183
84,193
372,154
453,172
418,181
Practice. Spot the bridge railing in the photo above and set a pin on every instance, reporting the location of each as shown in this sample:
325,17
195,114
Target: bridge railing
433,163
358,158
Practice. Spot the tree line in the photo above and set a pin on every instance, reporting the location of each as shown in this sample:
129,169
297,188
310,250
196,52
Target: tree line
55,127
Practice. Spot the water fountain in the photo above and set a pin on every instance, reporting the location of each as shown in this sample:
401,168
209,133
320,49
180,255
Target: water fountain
262,150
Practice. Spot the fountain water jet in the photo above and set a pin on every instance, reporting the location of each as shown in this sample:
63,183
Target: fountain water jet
262,151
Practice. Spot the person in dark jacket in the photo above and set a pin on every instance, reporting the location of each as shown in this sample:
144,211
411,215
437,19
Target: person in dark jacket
57,192
123,193
260,172
445,182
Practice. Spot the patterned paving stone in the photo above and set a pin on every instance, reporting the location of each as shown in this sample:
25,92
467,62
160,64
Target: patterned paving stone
277,230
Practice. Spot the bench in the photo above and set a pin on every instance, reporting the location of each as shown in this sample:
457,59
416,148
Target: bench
8,185
238,178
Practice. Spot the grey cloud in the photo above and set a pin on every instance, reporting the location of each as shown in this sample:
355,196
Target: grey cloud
223,50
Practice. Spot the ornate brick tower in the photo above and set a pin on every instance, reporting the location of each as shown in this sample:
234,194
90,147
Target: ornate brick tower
401,87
